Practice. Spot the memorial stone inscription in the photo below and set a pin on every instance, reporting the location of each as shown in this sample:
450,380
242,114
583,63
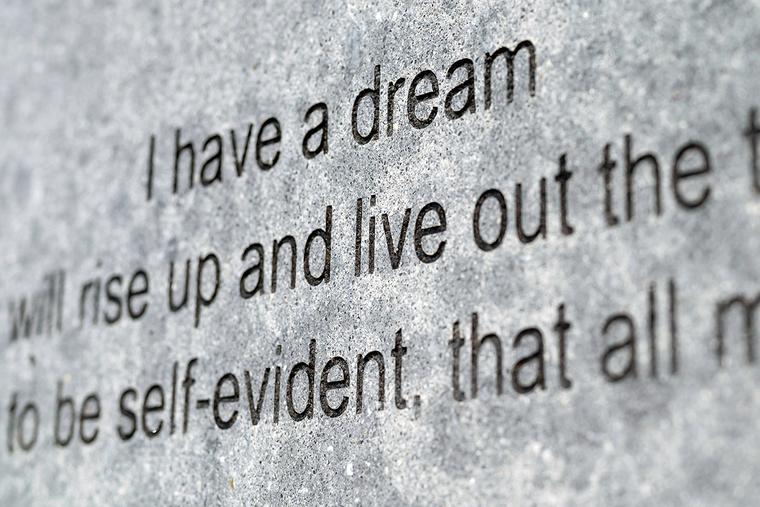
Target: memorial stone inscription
394,253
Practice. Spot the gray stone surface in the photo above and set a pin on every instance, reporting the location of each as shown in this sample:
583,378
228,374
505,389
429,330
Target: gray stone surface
85,85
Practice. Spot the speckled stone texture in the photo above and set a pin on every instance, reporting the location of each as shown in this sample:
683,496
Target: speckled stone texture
86,84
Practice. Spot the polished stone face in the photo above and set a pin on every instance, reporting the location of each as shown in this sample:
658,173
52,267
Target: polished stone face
330,253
